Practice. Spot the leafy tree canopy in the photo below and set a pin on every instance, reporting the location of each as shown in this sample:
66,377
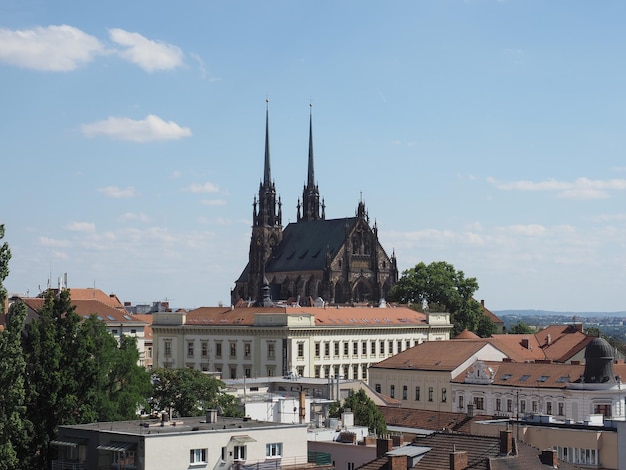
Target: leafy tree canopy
521,328
366,413
188,392
441,286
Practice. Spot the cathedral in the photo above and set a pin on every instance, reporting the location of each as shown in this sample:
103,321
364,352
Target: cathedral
338,260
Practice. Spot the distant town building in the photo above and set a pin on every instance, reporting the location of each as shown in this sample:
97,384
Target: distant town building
301,341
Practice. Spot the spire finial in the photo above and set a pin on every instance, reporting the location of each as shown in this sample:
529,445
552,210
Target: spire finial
267,172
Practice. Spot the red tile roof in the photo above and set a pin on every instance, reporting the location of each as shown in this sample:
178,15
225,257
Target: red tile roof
324,317
85,308
434,355
429,420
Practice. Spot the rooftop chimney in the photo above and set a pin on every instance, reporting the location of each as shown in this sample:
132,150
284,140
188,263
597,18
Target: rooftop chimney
549,457
397,462
458,460
506,442
383,445
211,416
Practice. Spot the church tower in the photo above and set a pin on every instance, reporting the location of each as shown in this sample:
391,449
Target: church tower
267,230
311,193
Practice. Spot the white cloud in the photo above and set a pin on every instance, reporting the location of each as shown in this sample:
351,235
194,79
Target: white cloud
52,48
46,241
86,227
118,193
214,202
128,216
581,188
147,54
207,187
150,129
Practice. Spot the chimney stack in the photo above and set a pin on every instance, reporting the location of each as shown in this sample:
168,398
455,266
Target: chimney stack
383,445
458,460
397,462
506,442
549,457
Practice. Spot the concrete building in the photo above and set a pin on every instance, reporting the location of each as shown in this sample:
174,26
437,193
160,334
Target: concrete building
205,442
302,341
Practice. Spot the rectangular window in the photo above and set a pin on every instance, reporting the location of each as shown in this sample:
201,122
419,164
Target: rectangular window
377,388
317,349
549,407
270,371
509,406
399,346
204,349
364,371
405,392
408,343
355,348
218,349
444,395
300,349
326,371
233,372
355,372
233,349
534,406
247,371
479,403
246,349
300,371
461,402
189,348
522,406
390,347
168,348
197,456
349,465
271,350
364,348
239,453
317,372
346,348
382,347
274,449
417,394
336,348
561,409
498,404
392,391
326,349
373,347
430,393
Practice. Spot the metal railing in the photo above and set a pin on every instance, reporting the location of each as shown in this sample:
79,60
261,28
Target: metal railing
68,465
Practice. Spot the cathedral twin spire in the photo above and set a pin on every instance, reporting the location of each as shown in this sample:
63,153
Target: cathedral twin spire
267,205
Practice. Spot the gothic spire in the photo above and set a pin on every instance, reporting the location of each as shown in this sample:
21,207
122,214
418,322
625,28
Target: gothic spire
311,172
267,171
310,193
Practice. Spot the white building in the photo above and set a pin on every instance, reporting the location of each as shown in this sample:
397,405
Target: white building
206,442
303,341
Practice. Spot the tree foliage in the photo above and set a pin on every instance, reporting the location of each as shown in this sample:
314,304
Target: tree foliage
187,392
443,287
366,413
521,328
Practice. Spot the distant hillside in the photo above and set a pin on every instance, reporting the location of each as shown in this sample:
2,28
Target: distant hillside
541,313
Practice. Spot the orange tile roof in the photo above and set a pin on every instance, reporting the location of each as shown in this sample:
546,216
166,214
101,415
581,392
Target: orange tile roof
512,346
530,375
467,334
434,355
96,294
430,420
324,317
85,308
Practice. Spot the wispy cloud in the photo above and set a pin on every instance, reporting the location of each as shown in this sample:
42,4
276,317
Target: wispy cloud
118,193
207,187
148,54
149,129
214,202
131,216
52,48
85,227
46,241
581,188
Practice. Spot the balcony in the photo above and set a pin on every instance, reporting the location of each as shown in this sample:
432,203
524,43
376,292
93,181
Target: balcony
68,465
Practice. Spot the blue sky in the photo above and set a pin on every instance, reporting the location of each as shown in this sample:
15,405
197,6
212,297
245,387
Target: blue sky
488,134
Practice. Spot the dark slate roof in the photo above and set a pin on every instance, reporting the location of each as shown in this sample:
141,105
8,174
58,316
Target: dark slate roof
305,244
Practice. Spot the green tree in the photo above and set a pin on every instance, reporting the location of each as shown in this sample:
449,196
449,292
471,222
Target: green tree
366,413
443,287
14,427
521,328
188,392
